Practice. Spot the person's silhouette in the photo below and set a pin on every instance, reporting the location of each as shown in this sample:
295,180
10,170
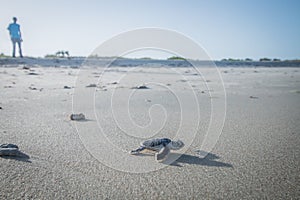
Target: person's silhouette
15,36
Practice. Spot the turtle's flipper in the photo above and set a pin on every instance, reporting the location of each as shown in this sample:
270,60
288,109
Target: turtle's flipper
137,151
162,154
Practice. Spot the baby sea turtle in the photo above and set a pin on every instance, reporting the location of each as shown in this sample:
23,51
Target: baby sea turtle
161,146
9,150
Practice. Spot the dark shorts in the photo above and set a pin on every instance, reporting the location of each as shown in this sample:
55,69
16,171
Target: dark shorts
14,40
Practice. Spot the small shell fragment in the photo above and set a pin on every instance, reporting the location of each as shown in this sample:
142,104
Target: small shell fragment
77,117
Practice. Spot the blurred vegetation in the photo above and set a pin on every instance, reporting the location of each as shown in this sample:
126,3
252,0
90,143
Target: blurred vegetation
59,54
176,58
2,55
146,58
232,60
251,60
265,60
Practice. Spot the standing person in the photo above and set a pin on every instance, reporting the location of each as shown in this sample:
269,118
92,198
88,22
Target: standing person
15,36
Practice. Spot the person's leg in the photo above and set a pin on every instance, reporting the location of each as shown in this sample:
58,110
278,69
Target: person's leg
20,49
14,48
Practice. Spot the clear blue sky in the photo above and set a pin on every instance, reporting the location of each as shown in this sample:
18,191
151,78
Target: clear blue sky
231,28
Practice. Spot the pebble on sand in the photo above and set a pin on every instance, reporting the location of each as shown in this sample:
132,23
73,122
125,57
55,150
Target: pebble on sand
32,73
77,117
91,85
67,87
140,87
25,67
7,86
32,88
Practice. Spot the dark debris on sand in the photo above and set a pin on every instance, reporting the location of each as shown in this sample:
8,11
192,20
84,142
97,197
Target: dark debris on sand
91,85
140,87
67,87
33,73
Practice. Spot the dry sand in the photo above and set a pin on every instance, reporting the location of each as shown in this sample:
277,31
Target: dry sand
257,155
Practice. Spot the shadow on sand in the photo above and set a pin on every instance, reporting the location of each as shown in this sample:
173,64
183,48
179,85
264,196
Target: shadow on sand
20,157
209,160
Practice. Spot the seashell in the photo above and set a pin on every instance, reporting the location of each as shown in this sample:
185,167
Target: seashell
77,117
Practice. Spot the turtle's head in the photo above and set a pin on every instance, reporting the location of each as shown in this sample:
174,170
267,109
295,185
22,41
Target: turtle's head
176,145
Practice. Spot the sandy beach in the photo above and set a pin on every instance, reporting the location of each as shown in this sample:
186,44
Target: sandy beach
257,155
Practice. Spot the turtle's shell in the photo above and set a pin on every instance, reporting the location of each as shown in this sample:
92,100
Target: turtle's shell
9,146
156,143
